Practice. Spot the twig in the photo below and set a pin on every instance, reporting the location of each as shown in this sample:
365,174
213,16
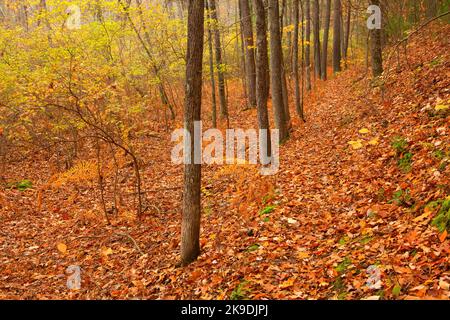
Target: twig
132,240
155,191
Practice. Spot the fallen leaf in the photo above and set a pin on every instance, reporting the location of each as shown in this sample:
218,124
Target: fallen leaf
106,251
303,255
288,283
441,107
443,236
61,247
423,216
364,131
372,298
444,285
356,144
291,221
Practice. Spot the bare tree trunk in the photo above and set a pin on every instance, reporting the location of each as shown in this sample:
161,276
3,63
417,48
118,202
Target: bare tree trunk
337,36
302,7
342,34
295,57
249,51
190,230
316,31
219,63
262,68
347,29
431,8
308,45
284,88
211,72
277,70
298,96
376,48
326,34
25,17
240,49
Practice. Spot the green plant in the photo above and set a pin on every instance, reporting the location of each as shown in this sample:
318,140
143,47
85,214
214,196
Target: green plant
400,145
343,240
442,166
24,185
439,154
396,290
240,293
253,247
267,210
342,267
436,62
442,219
366,239
405,162
402,198
342,296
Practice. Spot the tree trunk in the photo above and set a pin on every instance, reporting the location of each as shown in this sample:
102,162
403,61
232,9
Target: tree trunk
284,88
190,230
308,45
277,70
298,97
316,31
219,63
262,68
302,7
211,71
249,51
326,34
240,49
376,48
431,8
337,36
347,29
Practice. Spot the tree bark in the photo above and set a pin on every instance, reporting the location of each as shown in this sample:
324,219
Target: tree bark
284,89
337,36
241,49
347,29
249,51
316,31
219,63
326,34
277,70
431,8
298,96
211,71
190,230
308,44
262,68
376,48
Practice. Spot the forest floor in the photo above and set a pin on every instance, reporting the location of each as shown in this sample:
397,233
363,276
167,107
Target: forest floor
348,216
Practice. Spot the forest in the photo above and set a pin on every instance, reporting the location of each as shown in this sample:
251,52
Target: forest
224,150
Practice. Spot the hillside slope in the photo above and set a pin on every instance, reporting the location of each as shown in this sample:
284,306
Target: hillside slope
349,216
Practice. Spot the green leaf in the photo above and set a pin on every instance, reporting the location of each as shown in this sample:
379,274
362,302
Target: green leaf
396,290
253,247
